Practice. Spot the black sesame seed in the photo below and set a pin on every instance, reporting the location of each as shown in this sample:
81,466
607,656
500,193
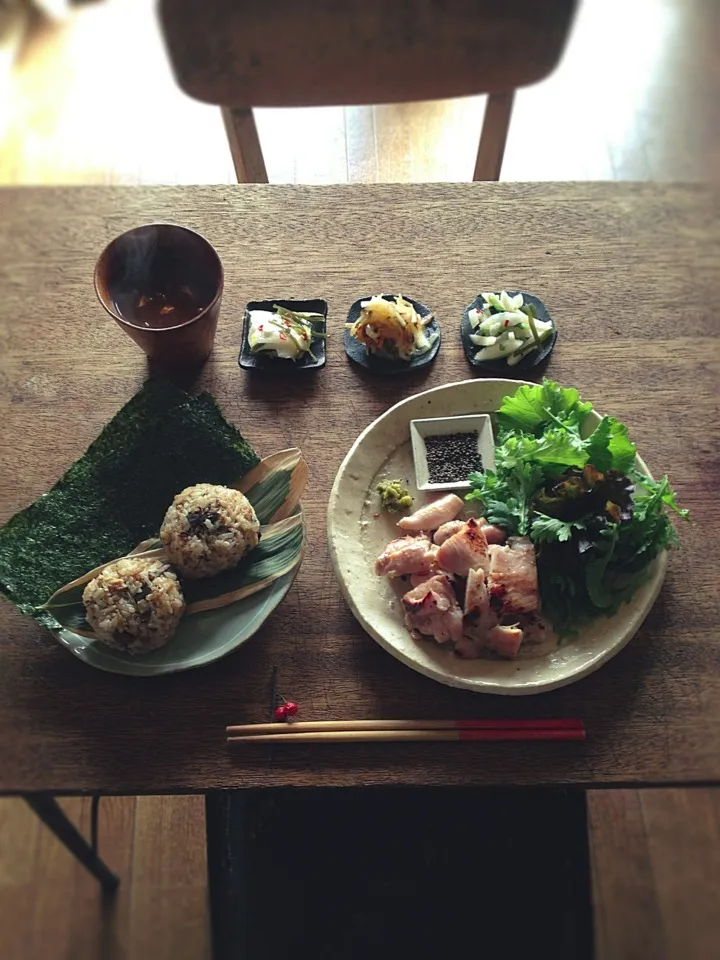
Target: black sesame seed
452,456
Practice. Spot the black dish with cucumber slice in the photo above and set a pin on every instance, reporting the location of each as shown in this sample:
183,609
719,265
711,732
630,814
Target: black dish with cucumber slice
268,361
532,358
382,362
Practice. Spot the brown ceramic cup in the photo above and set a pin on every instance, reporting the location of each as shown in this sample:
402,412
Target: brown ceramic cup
163,285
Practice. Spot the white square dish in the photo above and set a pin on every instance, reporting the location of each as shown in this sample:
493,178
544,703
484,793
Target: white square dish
438,426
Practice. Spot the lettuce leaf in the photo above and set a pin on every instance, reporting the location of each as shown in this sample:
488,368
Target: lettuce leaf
532,408
556,414
555,447
609,447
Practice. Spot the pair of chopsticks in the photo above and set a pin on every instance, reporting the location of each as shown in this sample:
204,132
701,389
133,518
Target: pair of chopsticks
368,731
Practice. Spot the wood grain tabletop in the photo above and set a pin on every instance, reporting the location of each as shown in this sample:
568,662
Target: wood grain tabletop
629,272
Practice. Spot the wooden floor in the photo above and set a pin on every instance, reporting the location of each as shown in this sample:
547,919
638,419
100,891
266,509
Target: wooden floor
52,909
655,857
637,96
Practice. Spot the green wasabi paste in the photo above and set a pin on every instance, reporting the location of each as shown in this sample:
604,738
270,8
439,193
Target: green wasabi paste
394,497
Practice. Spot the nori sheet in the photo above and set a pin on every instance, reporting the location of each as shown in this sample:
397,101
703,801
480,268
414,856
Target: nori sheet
117,493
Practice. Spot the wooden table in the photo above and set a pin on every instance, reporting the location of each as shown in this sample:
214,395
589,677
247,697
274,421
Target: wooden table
628,272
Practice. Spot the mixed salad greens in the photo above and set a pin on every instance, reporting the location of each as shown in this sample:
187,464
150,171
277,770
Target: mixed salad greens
596,521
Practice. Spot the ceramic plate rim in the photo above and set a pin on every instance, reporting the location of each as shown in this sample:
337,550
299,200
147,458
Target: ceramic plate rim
635,618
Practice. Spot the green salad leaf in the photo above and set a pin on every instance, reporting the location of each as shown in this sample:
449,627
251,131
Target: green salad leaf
656,491
532,408
545,529
506,493
609,447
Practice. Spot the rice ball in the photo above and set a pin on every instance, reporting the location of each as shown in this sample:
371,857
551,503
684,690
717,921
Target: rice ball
207,529
134,604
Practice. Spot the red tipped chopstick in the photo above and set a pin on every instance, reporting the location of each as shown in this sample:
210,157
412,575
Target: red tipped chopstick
377,730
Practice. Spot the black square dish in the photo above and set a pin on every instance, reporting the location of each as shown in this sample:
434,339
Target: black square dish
501,366
384,365
269,362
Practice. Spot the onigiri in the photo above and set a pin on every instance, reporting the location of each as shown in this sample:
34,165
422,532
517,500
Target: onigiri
134,604
208,529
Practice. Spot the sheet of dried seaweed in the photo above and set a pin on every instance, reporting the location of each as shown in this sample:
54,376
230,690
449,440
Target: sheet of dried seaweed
117,493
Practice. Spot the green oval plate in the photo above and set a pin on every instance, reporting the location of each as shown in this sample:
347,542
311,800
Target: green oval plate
200,639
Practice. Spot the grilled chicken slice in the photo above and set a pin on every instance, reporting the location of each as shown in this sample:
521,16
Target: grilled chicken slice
505,641
406,555
534,628
432,610
477,601
512,577
464,551
444,532
479,616
432,515
493,533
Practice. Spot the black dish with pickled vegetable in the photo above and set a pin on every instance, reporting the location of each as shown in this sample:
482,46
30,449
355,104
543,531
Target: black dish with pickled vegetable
394,345
299,325
533,355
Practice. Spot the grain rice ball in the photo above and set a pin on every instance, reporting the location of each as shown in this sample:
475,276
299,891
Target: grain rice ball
134,604
208,529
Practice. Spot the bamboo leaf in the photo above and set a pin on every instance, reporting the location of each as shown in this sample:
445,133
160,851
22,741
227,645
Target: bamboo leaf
71,614
279,551
226,599
282,460
298,482
150,544
268,486
270,530
274,487
72,592
273,557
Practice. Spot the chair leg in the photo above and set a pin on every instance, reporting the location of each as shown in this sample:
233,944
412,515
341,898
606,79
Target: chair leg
244,145
494,135
53,816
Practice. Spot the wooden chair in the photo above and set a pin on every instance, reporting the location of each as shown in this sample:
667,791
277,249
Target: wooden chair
242,54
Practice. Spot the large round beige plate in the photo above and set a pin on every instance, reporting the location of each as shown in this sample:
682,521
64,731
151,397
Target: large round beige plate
357,535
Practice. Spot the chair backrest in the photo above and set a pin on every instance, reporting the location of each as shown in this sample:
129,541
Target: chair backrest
272,53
